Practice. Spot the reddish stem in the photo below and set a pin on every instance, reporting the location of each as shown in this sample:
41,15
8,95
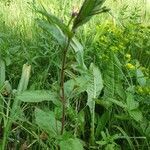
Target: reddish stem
62,92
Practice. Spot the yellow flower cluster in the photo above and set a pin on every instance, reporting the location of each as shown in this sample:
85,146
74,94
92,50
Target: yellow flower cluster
128,56
130,66
143,90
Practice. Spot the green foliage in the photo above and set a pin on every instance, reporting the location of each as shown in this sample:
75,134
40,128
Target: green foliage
88,9
14,111
2,72
71,144
24,78
55,31
132,107
78,48
37,96
47,122
140,77
94,88
105,67
108,141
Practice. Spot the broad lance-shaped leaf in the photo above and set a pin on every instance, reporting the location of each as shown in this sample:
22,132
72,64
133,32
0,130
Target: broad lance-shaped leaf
136,115
76,86
55,27
78,48
54,31
23,83
61,38
37,96
54,20
140,77
112,76
95,85
88,9
133,108
71,144
131,103
24,78
46,120
93,90
61,33
119,103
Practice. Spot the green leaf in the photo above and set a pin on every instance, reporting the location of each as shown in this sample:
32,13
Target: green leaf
132,108
56,21
95,85
77,47
140,77
104,102
102,123
125,136
36,96
54,30
23,83
88,9
94,88
144,127
110,147
136,115
131,103
24,78
7,87
76,86
47,122
71,144
120,91
101,142
119,103
2,72
109,78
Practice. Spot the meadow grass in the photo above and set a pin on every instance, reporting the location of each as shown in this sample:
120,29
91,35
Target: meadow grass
122,33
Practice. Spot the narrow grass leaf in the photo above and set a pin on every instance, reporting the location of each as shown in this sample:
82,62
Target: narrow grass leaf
125,136
2,72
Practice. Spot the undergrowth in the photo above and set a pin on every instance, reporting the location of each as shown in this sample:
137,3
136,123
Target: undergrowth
95,97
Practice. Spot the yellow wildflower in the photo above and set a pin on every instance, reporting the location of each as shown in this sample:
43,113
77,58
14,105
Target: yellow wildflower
140,90
128,56
130,66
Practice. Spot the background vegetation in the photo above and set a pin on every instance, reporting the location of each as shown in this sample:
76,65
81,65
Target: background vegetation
116,56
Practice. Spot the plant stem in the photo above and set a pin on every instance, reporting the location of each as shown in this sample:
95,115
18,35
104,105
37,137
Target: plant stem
62,92
6,134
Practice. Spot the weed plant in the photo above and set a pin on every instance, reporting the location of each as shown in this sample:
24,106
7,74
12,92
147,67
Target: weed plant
100,100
